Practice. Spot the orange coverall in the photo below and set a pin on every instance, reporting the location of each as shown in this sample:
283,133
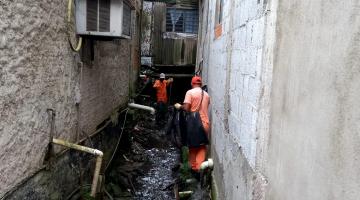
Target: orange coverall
161,94
197,155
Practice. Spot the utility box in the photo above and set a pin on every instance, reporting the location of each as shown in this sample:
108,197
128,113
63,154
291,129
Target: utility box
108,18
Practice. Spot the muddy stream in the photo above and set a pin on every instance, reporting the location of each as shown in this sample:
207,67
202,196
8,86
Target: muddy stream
148,165
144,168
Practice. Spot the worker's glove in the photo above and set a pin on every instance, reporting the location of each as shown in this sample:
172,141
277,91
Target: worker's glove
177,106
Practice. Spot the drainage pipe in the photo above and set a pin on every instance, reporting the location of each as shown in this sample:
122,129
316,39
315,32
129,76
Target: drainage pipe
142,107
207,164
97,153
185,194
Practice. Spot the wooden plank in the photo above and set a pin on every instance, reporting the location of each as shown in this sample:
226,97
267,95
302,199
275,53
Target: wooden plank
159,17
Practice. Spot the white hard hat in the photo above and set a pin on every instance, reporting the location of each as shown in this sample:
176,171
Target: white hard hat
162,75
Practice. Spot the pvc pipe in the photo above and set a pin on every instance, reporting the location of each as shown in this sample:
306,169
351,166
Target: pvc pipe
142,107
95,152
207,164
185,194
78,147
96,175
191,180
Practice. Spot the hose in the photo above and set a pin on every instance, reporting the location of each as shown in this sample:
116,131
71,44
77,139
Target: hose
79,43
118,142
108,194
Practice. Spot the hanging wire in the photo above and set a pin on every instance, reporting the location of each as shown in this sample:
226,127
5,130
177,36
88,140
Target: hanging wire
118,142
199,71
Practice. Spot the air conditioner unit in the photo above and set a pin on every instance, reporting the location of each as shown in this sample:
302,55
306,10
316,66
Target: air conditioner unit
109,18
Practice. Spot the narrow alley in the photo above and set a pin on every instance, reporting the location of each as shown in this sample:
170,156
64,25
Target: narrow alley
179,100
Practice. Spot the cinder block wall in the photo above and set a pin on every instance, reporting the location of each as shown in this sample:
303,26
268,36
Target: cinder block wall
284,82
39,71
233,70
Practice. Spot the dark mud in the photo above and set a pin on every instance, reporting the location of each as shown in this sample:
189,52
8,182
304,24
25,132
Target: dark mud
143,167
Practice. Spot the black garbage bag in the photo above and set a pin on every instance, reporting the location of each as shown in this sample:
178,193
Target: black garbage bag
176,127
196,135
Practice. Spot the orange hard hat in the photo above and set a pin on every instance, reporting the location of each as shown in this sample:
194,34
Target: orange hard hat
196,80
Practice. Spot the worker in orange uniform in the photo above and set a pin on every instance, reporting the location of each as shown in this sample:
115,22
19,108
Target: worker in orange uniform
196,103
161,97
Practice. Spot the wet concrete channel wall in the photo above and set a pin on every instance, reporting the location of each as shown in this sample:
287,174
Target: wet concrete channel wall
39,71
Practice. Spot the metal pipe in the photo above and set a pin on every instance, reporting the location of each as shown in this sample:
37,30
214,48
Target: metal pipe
142,107
99,154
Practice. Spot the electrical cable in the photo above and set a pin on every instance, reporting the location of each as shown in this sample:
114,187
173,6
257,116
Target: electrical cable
76,190
108,194
79,43
199,71
88,136
118,142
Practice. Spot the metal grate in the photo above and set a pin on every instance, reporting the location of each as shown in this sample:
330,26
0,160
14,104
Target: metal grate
126,20
182,20
104,15
91,15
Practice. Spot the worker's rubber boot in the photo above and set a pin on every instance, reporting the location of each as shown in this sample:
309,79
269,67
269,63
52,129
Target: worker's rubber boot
196,175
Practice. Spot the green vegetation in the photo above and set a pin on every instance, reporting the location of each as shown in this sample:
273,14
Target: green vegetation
185,170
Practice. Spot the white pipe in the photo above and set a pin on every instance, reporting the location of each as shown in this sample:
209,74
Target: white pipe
185,194
95,152
142,107
207,164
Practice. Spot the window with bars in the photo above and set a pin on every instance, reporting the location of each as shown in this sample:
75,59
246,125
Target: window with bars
182,20
127,20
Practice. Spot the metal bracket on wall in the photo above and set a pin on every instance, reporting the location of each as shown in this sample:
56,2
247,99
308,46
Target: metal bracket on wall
50,149
92,50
